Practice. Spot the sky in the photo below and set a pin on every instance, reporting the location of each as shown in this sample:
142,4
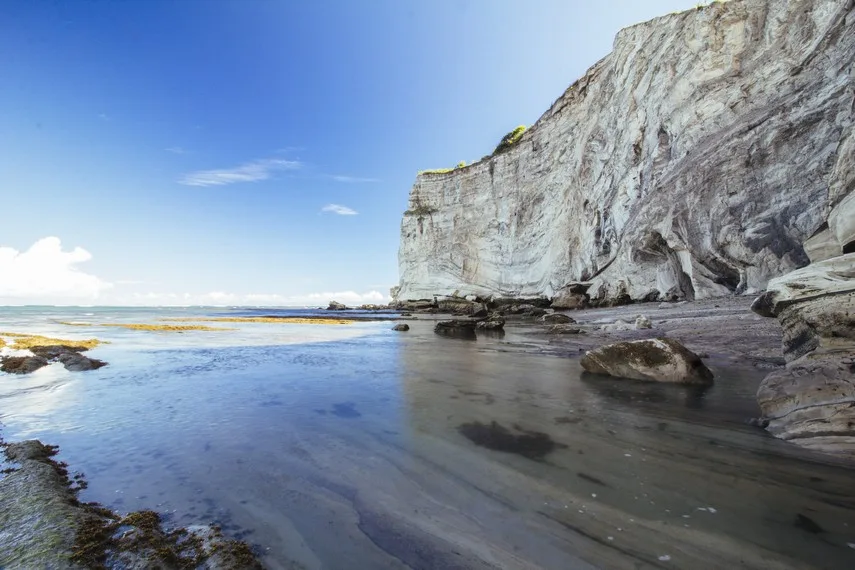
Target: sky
256,152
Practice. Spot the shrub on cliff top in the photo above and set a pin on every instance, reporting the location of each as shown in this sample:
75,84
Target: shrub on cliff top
510,139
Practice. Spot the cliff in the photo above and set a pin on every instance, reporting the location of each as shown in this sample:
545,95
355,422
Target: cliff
693,161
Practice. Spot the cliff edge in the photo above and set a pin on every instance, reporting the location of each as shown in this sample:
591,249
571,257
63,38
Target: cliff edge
693,161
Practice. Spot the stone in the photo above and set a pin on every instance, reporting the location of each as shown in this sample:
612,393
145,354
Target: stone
642,322
456,329
22,364
493,323
694,160
403,327
336,306
557,319
568,299
811,402
657,360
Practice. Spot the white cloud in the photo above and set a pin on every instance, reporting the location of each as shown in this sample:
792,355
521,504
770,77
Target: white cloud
250,172
339,209
44,273
352,179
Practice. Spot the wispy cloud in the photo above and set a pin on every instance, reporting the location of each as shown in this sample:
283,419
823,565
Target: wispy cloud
352,179
249,172
339,209
103,117
175,150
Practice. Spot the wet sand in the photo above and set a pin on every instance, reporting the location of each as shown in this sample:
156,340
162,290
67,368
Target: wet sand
409,450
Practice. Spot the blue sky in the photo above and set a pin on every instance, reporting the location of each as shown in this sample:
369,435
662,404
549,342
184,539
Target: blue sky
256,151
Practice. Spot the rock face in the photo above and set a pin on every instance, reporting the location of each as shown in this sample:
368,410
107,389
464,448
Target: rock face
812,401
693,161
659,360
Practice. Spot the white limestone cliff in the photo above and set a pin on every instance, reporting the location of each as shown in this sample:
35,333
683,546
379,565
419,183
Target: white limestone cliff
693,161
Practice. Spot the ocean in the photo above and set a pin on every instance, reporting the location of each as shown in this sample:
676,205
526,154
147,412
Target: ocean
353,446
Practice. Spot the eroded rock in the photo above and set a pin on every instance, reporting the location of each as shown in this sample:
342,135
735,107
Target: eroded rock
403,327
812,401
336,306
658,360
690,172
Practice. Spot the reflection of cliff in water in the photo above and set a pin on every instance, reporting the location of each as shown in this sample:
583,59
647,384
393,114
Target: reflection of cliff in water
527,431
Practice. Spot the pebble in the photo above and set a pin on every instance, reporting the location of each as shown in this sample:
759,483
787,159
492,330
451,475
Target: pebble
664,558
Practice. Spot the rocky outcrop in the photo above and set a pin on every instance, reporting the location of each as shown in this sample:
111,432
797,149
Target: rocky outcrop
21,364
812,401
40,356
693,161
44,525
658,360
336,306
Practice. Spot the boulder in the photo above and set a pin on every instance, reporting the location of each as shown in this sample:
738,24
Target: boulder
569,300
456,329
658,360
494,323
557,319
403,327
642,322
22,364
336,306
812,401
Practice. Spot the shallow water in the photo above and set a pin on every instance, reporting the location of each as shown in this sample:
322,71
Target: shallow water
357,447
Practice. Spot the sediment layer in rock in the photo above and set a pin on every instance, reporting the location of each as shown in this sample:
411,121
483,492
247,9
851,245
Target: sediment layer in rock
693,161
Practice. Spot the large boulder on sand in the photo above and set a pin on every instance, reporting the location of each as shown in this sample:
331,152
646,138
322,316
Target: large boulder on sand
658,360
812,401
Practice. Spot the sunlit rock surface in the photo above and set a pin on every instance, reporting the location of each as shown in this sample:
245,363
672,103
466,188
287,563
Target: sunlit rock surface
693,161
